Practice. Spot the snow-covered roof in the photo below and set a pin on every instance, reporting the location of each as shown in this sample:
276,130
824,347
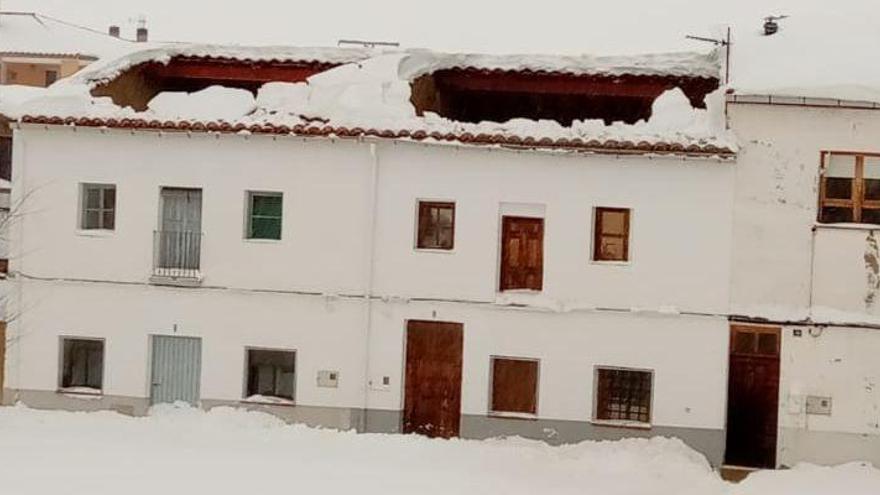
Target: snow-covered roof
680,64
13,97
369,94
31,34
832,55
109,69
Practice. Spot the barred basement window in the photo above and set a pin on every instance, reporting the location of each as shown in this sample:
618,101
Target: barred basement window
98,210
611,234
271,373
436,225
264,215
82,365
514,386
849,190
623,395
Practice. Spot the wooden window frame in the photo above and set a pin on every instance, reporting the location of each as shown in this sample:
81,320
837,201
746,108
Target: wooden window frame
757,330
598,234
857,201
423,205
598,409
62,364
513,414
249,216
247,363
101,210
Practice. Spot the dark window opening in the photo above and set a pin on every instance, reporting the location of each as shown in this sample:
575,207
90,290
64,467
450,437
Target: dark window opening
623,395
51,77
5,157
514,386
271,373
471,95
436,225
82,364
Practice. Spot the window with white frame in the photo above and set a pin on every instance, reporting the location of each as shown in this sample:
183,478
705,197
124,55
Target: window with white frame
98,207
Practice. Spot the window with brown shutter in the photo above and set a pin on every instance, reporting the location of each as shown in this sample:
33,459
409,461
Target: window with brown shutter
849,190
611,234
514,385
623,395
436,225
522,253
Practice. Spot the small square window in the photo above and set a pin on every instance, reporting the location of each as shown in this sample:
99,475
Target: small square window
849,188
514,385
623,395
264,215
611,234
98,207
436,225
51,77
82,364
271,373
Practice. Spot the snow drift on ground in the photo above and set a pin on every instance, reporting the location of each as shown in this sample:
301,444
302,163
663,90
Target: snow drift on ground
179,450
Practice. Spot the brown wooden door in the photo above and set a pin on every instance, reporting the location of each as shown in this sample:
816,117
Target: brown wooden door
522,253
432,402
753,396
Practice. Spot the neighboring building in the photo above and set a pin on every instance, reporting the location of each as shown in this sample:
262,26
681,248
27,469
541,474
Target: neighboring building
368,251
37,50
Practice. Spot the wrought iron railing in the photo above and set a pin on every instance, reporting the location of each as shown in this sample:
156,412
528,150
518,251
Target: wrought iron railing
177,254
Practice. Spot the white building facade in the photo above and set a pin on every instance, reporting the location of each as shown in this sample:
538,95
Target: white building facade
343,291
808,275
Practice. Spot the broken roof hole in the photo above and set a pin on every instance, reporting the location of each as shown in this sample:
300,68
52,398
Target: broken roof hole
476,95
139,84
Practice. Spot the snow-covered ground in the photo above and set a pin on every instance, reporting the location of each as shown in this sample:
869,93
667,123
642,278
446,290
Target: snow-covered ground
179,450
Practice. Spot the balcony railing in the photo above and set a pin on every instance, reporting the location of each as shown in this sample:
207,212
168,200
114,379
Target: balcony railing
177,255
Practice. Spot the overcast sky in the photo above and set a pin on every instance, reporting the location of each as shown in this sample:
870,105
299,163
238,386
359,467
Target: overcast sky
500,26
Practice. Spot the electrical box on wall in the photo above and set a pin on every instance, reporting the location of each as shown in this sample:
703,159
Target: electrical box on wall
819,405
328,378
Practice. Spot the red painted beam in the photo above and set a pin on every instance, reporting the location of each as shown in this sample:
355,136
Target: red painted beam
565,84
223,70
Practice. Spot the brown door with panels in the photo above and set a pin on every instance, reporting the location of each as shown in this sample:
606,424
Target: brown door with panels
432,401
752,396
522,253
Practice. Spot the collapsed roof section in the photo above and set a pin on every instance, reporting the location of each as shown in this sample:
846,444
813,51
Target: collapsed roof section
643,104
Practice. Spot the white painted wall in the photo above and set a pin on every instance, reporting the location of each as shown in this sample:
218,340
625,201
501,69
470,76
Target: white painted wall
681,224
786,268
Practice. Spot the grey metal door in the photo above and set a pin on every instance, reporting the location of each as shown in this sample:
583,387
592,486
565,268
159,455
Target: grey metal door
176,370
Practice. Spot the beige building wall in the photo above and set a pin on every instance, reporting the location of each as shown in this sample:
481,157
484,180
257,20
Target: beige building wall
30,73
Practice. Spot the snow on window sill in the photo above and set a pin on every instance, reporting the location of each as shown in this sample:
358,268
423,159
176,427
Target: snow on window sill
83,393
434,250
256,240
616,423
268,400
95,232
611,263
513,415
845,226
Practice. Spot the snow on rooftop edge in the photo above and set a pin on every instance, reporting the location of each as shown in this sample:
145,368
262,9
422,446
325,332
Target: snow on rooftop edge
109,69
684,64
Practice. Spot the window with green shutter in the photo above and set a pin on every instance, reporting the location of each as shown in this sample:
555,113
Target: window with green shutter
264,215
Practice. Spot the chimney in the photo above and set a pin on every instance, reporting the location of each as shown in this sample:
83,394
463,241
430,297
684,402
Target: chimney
141,31
113,31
